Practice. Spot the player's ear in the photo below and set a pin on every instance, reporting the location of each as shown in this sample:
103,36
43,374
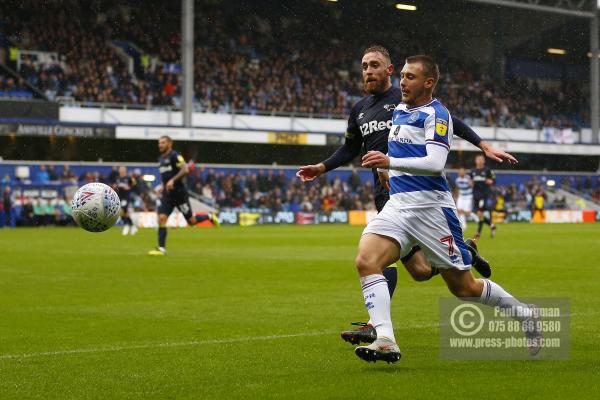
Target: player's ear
429,83
390,69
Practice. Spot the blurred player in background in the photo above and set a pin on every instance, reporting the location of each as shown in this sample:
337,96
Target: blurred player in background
174,194
464,201
539,213
421,211
369,126
483,180
124,185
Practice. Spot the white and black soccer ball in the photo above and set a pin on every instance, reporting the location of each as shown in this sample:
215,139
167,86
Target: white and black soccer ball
96,207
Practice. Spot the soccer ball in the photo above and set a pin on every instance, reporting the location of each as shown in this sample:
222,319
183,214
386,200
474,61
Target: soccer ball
96,207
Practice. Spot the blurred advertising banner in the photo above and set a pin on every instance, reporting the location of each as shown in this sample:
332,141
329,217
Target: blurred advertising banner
564,216
361,218
221,135
150,220
358,218
76,130
560,136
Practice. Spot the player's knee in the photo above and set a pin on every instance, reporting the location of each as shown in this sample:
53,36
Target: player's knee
365,265
417,266
162,219
421,274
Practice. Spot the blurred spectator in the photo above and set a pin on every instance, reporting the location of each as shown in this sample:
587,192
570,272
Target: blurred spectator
559,203
6,181
62,212
241,52
27,212
48,210
354,180
52,175
67,175
42,175
114,173
7,207
539,202
10,87
39,213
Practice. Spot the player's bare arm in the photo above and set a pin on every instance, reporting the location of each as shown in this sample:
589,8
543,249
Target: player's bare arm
309,173
465,132
384,179
375,159
496,154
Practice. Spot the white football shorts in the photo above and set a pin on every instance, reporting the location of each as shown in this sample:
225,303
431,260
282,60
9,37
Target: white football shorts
435,229
465,203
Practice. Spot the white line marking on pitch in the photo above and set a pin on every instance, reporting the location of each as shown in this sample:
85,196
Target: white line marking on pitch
159,345
207,342
182,344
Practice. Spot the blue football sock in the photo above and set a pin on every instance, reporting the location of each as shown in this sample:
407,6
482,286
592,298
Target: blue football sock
391,274
162,236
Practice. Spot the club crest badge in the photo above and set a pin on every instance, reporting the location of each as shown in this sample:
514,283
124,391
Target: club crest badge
413,117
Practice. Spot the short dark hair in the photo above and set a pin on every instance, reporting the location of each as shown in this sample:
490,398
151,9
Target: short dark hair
379,49
167,137
430,67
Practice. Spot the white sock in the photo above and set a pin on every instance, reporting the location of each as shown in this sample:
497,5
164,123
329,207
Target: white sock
493,295
389,266
377,301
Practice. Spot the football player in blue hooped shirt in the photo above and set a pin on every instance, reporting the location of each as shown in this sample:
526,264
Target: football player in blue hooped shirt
369,125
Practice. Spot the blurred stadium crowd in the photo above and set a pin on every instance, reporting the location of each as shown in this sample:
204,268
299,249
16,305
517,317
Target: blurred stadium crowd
245,62
250,190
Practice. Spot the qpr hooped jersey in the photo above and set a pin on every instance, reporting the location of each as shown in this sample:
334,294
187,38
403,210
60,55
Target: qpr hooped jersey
464,186
413,129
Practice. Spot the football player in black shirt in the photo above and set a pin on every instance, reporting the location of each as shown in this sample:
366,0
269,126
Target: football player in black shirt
174,194
368,127
124,185
483,179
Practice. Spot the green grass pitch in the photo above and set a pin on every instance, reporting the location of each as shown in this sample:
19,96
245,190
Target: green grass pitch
255,313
